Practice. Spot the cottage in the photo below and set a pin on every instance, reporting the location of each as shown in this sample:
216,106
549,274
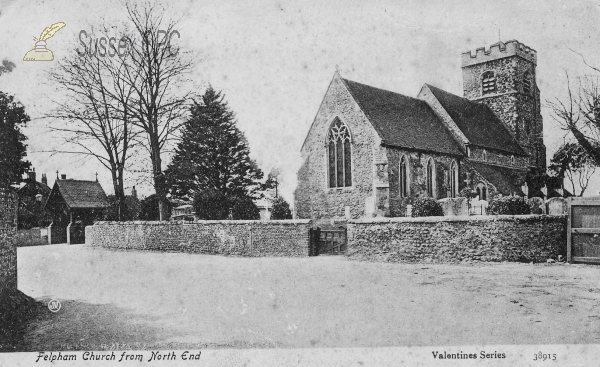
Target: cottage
32,196
371,152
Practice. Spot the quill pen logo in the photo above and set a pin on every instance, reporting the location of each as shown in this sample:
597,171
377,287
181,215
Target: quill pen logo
40,52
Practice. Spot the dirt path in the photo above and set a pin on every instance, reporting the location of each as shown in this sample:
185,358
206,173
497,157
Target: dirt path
156,300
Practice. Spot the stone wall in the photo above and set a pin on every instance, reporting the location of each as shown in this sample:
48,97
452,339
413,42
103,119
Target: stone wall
8,260
31,237
457,239
8,251
241,238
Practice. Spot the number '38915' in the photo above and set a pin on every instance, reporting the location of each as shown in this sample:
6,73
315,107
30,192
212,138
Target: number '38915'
539,356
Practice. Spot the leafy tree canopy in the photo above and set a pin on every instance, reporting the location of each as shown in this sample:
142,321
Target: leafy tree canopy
211,205
7,66
281,209
149,208
12,141
130,209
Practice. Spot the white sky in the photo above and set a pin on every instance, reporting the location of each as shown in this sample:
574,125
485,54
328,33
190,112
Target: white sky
275,59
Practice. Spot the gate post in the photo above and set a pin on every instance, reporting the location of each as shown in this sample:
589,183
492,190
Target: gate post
314,236
569,216
346,240
310,242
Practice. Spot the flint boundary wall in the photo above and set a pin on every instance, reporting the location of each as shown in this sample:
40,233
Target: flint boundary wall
8,260
458,239
8,251
288,238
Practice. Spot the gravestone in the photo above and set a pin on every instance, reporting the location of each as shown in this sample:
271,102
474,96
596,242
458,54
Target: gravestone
409,210
455,207
537,205
557,206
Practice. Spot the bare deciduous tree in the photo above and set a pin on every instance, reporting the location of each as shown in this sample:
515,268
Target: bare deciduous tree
94,113
156,72
571,161
579,114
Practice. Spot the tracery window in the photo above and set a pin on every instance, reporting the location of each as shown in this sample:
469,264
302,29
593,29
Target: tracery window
481,191
453,180
404,180
339,155
430,178
488,82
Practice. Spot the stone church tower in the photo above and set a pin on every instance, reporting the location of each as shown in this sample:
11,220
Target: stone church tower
504,78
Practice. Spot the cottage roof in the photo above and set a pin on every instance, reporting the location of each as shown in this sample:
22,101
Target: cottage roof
403,121
503,178
478,123
82,194
33,188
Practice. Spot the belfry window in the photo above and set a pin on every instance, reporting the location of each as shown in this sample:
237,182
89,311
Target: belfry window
404,181
527,83
339,155
488,82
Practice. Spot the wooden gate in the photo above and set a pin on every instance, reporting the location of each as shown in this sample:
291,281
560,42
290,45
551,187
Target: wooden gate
583,230
328,241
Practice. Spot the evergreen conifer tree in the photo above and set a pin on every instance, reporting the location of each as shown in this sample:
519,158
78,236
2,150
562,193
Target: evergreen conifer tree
213,154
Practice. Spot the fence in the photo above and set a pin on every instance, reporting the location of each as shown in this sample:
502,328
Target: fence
583,228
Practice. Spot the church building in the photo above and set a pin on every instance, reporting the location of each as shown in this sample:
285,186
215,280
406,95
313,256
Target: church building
370,152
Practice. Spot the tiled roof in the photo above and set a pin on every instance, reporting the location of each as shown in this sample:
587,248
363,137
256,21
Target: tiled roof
82,194
503,178
478,122
403,121
33,188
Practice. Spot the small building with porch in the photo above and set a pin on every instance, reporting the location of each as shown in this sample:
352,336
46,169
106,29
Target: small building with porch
73,205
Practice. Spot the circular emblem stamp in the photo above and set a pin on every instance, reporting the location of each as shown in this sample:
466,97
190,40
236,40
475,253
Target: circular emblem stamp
54,305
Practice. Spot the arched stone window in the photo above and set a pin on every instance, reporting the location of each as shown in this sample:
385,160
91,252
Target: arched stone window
527,83
488,82
481,190
404,180
431,178
339,153
453,180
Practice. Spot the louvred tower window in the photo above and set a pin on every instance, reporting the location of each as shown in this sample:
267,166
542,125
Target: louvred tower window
488,82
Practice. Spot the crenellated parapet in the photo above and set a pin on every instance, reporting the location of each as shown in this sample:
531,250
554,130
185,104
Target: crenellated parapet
497,51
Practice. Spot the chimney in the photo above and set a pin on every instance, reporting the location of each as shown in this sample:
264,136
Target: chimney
63,176
31,175
44,179
134,192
